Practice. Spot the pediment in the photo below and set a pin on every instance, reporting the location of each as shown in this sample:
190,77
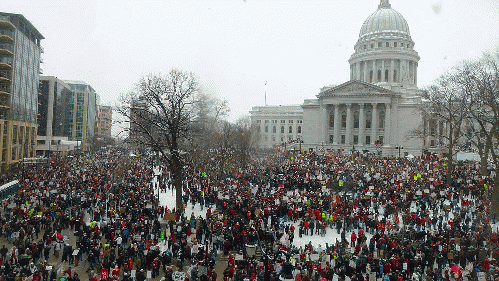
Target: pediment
356,88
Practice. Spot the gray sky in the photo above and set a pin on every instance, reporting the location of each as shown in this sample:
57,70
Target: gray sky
234,46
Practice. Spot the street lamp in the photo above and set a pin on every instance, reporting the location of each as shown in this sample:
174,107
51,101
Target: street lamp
399,148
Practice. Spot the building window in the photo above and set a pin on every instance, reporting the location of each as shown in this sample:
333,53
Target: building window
290,130
331,120
299,130
380,45
290,121
356,120
394,44
368,140
282,129
258,129
394,76
402,45
386,75
283,121
371,76
342,139
355,139
382,120
433,127
266,129
258,121
432,143
365,47
372,46
274,129
274,121
266,121
369,117
388,44
379,75
381,138
343,120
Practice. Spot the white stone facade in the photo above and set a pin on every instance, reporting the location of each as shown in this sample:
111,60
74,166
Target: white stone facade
379,103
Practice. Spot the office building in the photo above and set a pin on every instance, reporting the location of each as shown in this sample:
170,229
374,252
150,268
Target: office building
20,53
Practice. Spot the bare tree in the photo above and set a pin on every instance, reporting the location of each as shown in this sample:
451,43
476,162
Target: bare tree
444,116
480,80
160,115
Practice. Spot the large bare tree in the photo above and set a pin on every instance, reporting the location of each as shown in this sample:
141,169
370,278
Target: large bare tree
480,81
160,113
444,114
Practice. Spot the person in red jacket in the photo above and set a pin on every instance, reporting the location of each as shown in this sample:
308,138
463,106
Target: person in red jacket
116,272
155,267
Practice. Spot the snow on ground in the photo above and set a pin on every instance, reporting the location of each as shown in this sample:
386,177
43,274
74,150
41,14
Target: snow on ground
168,199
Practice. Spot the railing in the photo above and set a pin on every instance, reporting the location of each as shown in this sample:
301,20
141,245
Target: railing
4,88
4,74
7,47
6,60
7,33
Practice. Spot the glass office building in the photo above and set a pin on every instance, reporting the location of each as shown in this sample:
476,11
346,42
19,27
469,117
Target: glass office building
81,112
20,52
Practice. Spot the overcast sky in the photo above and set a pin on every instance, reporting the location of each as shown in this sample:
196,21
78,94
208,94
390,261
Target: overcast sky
235,46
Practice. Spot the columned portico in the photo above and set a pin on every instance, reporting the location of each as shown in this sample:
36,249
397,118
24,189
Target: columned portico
356,112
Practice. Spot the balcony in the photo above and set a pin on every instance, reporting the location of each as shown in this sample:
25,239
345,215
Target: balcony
5,63
5,77
6,49
4,90
6,36
5,23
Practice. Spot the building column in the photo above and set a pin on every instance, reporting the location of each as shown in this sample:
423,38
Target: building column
390,79
383,76
414,73
362,125
336,137
365,72
388,124
374,72
325,124
374,124
348,129
358,71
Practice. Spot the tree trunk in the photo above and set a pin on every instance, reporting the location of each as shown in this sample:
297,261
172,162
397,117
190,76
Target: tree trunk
177,172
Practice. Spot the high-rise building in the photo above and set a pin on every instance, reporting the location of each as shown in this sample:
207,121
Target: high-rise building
81,112
20,52
104,122
52,110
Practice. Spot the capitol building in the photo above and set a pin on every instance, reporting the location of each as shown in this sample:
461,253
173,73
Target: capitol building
376,111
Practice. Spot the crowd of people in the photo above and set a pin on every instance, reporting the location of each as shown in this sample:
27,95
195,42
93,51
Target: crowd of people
390,219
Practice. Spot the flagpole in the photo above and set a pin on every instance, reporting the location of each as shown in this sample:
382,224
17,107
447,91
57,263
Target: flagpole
265,93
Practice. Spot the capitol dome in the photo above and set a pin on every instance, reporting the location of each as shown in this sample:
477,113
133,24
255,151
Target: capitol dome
384,20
